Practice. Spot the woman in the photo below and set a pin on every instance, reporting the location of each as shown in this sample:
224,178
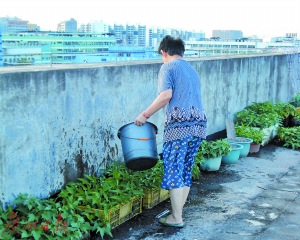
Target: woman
185,123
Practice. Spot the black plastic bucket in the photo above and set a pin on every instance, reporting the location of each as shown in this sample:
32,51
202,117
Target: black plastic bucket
139,146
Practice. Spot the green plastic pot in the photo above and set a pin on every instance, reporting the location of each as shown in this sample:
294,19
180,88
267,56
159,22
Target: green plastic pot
211,164
234,154
245,142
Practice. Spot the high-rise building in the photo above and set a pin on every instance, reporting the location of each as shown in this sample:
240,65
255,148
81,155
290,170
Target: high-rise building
4,25
174,32
166,32
130,35
94,27
141,35
199,36
118,31
99,27
154,37
227,34
88,27
193,36
81,27
67,26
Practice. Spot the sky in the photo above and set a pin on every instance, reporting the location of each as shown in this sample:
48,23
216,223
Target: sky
263,18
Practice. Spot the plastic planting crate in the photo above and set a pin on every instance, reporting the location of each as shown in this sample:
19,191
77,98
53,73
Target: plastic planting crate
154,196
164,195
121,213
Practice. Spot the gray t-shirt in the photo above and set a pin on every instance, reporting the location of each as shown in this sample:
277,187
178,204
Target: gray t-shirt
184,115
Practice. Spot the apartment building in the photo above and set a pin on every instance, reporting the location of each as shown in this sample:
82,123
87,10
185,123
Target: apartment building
67,26
131,35
3,25
100,27
9,24
118,31
197,36
155,35
142,35
94,27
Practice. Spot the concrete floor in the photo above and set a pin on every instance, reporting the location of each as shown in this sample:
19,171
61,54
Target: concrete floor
256,198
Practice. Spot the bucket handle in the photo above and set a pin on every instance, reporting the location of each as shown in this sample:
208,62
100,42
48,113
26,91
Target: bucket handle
119,132
141,138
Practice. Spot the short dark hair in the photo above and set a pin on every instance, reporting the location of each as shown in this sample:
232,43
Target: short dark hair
172,46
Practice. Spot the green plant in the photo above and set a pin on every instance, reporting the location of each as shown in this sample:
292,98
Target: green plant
101,193
255,134
196,170
213,149
290,136
113,188
297,114
285,109
151,178
296,100
262,107
41,219
261,115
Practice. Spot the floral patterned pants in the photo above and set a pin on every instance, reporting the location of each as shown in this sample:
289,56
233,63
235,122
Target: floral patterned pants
178,159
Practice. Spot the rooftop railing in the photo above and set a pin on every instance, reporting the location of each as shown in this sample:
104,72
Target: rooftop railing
49,58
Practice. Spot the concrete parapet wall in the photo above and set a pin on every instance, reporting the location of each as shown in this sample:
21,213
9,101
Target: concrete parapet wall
58,123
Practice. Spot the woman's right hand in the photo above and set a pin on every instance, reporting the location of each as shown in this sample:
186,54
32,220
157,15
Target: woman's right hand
140,120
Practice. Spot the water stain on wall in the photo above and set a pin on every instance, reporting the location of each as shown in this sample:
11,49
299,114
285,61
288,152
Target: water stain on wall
75,169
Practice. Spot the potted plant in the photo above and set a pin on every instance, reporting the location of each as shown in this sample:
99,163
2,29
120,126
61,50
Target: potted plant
287,111
234,154
213,151
256,134
295,121
245,142
263,115
296,100
290,137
